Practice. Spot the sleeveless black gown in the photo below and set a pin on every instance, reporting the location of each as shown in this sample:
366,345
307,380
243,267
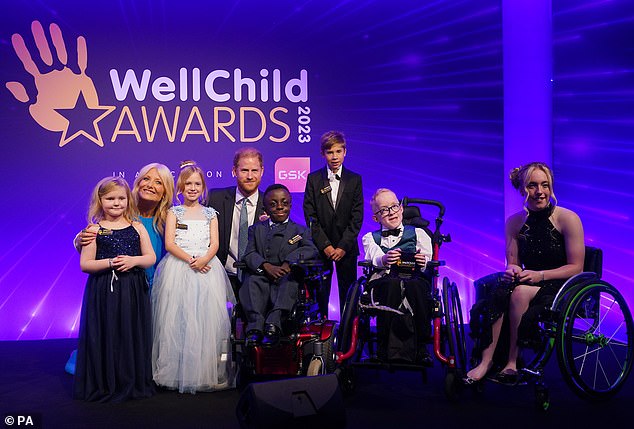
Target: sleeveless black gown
115,335
540,247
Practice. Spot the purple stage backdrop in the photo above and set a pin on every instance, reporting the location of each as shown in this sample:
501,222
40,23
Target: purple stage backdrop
593,126
415,86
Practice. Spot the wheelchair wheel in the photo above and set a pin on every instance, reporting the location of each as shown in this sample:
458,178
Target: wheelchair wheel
542,397
327,363
594,341
350,311
243,374
454,326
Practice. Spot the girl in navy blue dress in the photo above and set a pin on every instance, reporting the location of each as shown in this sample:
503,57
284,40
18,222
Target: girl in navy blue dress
115,335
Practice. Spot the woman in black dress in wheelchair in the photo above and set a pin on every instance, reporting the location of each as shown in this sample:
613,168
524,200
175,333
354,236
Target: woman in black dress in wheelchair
544,247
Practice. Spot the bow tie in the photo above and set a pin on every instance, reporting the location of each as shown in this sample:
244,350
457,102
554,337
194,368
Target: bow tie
387,232
335,177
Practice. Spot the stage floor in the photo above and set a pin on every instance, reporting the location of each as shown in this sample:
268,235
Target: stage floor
33,382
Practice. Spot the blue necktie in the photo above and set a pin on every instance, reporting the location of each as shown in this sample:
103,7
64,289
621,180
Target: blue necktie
243,232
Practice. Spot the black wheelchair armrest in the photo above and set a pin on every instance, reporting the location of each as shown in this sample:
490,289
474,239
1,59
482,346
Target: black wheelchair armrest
435,263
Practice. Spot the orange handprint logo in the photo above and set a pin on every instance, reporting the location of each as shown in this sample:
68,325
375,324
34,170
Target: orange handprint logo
65,101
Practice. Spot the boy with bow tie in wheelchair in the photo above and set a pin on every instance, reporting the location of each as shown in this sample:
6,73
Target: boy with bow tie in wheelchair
398,289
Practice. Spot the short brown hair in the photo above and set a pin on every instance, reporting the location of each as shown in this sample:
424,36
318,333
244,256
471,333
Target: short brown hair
331,138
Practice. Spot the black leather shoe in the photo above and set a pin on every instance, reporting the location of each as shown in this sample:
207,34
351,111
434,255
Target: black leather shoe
271,336
507,376
424,358
253,337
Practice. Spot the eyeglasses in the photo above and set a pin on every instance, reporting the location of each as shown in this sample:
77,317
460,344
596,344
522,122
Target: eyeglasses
385,211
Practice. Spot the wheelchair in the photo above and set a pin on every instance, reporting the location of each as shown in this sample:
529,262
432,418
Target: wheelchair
306,346
589,327
357,339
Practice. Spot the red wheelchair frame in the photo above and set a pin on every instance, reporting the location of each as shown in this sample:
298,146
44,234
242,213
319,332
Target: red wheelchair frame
307,346
448,338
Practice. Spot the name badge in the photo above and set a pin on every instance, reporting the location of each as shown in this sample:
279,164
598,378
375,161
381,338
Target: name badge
181,226
325,190
104,231
295,239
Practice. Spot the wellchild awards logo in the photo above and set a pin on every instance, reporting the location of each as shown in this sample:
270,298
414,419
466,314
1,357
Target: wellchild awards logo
65,101
216,105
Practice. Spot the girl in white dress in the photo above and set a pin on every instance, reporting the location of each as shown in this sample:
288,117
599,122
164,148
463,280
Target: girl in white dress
190,350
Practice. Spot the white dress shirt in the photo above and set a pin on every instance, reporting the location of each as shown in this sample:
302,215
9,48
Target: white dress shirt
252,202
374,253
334,184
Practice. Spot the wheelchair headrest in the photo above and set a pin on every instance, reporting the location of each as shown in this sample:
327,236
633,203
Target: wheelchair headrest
411,216
593,261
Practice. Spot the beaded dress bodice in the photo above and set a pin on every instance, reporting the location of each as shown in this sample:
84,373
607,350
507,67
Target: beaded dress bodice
541,245
192,233
124,241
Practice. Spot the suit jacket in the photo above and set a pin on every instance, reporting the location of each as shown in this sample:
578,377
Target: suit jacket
329,226
263,247
223,200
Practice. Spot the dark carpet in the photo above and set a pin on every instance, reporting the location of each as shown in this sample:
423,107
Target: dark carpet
33,383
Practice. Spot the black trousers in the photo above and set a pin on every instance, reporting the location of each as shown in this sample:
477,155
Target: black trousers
387,291
346,275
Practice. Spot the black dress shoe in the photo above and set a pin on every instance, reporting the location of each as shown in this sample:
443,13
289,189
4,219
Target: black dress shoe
508,376
424,358
253,338
271,336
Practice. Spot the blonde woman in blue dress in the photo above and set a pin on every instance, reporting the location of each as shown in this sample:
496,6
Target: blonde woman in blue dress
190,349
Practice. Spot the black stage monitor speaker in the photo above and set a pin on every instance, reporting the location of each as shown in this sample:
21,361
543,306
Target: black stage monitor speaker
306,402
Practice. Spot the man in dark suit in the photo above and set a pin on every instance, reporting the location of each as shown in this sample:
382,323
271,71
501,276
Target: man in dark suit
236,203
270,287
333,209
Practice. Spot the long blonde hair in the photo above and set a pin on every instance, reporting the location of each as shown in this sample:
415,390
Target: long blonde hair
521,175
187,169
160,213
106,185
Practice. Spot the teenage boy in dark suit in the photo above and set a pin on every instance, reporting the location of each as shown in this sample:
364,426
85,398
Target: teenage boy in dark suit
333,210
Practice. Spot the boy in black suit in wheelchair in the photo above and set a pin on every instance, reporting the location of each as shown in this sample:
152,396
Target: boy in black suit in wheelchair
270,287
408,296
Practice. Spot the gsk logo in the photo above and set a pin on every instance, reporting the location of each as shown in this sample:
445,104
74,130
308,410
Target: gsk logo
292,172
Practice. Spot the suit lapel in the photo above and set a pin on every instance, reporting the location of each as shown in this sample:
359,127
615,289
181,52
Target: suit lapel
324,184
342,186
227,213
259,206
262,230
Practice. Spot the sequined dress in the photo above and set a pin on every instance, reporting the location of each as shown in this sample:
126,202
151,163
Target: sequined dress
115,334
191,349
542,247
